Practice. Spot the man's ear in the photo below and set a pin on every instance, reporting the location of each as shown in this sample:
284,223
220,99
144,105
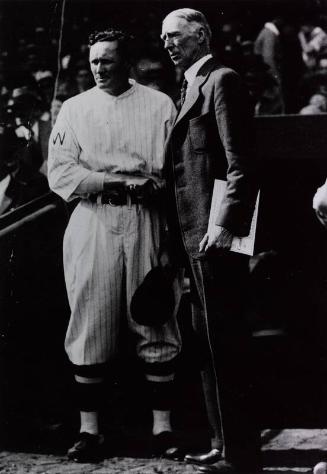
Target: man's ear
201,35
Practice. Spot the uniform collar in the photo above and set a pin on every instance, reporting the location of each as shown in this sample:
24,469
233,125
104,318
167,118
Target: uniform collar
129,91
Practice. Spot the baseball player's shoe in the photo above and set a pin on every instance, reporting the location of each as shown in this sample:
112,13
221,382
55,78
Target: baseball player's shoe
165,445
88,448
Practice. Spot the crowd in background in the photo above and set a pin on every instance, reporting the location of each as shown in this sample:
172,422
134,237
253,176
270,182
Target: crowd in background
283,64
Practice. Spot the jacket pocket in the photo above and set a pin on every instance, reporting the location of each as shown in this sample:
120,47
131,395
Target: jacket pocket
198,130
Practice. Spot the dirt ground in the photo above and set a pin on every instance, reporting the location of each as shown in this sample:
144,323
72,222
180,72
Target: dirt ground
285,451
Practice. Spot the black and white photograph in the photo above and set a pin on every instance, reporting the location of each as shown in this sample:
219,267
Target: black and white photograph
163,236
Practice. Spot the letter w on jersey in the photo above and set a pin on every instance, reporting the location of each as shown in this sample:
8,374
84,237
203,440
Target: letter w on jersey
61,138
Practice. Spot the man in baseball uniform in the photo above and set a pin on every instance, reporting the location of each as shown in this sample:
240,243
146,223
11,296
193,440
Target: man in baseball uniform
107,148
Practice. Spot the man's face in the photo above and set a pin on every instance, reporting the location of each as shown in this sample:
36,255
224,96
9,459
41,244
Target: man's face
106,63
181,41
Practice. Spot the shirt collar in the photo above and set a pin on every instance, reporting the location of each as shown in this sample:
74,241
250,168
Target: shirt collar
272,27
129,91
191,72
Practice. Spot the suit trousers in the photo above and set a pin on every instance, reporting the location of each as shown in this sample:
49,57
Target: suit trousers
221,285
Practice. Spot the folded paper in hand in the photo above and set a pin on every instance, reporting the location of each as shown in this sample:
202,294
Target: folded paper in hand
243,245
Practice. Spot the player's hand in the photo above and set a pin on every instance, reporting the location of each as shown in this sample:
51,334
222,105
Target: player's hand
218,238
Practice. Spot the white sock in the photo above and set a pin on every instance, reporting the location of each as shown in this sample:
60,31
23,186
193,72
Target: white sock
89,422
161,421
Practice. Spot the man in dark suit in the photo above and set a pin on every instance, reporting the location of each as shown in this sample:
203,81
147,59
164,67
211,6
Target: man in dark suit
211,139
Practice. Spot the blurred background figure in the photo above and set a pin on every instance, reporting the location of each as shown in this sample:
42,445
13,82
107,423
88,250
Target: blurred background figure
228,45
263,87
21,157
151,68
83,78
317,105
313,40
45,85
268,45
27,112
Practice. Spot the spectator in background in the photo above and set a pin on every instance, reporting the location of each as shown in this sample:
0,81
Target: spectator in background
305,36
151,69
56,105
83,77
317,105
45,84
313,82
25,111
20,154
229,45
268,45
263,88
316,44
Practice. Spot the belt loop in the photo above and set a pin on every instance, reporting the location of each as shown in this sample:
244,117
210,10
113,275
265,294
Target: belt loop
99,198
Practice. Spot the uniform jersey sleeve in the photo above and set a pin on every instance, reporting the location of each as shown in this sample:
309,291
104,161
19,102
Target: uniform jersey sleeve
67,177
171,117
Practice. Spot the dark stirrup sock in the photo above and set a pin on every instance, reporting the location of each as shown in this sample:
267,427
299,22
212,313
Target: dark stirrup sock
89,395
160,394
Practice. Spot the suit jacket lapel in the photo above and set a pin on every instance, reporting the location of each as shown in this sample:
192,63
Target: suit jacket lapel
194,92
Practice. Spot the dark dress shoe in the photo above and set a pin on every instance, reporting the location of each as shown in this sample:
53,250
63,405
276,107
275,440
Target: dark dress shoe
165,445
87,448
221,467
204,458
224,467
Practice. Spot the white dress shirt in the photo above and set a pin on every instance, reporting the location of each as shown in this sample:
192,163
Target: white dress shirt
191,72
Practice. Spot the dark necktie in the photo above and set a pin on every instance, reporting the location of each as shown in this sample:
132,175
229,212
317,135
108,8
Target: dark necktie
183,91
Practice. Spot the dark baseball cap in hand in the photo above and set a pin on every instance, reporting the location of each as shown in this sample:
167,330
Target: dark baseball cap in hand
153,302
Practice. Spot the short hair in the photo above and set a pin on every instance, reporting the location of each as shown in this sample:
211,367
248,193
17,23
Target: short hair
113,34
195,16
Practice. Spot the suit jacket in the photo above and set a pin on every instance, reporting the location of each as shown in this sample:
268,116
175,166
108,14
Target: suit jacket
211,139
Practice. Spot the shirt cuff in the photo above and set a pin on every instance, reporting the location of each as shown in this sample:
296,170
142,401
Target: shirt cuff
93,183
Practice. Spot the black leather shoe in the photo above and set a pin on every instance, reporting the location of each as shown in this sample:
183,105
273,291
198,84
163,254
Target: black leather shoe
165,445
88,448
224,467
203,458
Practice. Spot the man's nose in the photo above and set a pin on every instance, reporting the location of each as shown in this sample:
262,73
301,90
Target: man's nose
167,43
99,67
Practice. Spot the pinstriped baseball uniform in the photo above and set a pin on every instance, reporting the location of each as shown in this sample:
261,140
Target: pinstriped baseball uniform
109,249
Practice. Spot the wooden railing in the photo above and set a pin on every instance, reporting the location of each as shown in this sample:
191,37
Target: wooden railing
29,212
